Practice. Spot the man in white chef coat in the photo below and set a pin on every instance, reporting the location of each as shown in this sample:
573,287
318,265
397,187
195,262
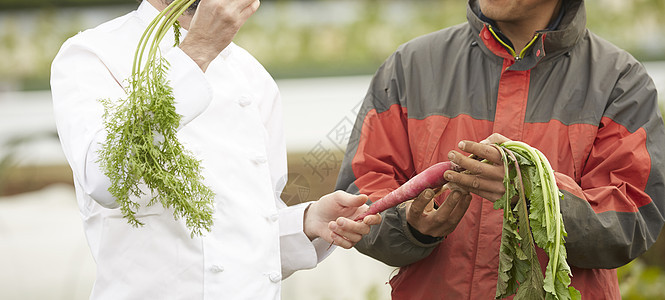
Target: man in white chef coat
232,122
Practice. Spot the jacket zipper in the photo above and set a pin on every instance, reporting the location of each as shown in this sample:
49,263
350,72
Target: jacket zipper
510,49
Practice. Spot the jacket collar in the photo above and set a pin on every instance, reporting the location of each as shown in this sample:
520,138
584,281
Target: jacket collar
551,42
551,27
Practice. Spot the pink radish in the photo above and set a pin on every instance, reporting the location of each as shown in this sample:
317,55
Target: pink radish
431,177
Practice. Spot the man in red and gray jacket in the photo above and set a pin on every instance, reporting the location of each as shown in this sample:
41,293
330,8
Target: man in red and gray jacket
521,70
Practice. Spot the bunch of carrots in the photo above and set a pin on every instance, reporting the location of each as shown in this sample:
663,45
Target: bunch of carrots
141,147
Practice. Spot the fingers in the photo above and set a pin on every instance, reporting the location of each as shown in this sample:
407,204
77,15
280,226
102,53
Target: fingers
481,178
213,26
486,151
453,209
490,189
340,241
473,166
372,219
495,138
442,221
233,5
472,182
249,10
346,233
419,204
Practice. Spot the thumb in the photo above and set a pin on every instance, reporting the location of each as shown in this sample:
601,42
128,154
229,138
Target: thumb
350,200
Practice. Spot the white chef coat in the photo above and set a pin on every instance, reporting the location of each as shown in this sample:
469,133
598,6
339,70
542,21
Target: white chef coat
232,122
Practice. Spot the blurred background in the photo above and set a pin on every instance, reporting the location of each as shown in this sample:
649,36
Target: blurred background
322,54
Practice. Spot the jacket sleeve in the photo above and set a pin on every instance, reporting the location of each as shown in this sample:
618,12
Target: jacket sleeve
394,242
616,210
378,160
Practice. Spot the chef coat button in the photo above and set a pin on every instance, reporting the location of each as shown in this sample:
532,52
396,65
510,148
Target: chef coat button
275,277
273,217
217,269
244,101
259,160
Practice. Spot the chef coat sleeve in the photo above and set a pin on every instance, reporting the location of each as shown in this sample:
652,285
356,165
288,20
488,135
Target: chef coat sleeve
83,73
297,251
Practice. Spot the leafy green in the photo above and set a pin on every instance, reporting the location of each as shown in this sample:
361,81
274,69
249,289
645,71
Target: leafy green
142,147
534,220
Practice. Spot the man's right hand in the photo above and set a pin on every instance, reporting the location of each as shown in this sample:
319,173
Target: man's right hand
213,27
437,222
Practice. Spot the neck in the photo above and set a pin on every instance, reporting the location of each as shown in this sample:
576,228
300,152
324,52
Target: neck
521,32
184,20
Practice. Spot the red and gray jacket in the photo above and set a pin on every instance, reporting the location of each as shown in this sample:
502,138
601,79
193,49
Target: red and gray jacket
588,106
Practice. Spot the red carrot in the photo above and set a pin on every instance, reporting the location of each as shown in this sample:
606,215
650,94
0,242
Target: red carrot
431,177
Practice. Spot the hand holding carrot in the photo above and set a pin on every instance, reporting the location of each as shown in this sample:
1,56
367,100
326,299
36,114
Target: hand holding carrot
437,222
331,218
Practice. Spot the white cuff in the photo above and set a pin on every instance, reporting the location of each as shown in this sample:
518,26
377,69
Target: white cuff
191,89
297,251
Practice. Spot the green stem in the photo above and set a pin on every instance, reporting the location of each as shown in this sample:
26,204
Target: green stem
557,213
534,157
166,19
138,54
519,179
167,23
506,182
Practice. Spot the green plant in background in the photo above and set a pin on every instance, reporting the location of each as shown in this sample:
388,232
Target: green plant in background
638,281
27,4
302,38
28,46
618,21
372,293
355,43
